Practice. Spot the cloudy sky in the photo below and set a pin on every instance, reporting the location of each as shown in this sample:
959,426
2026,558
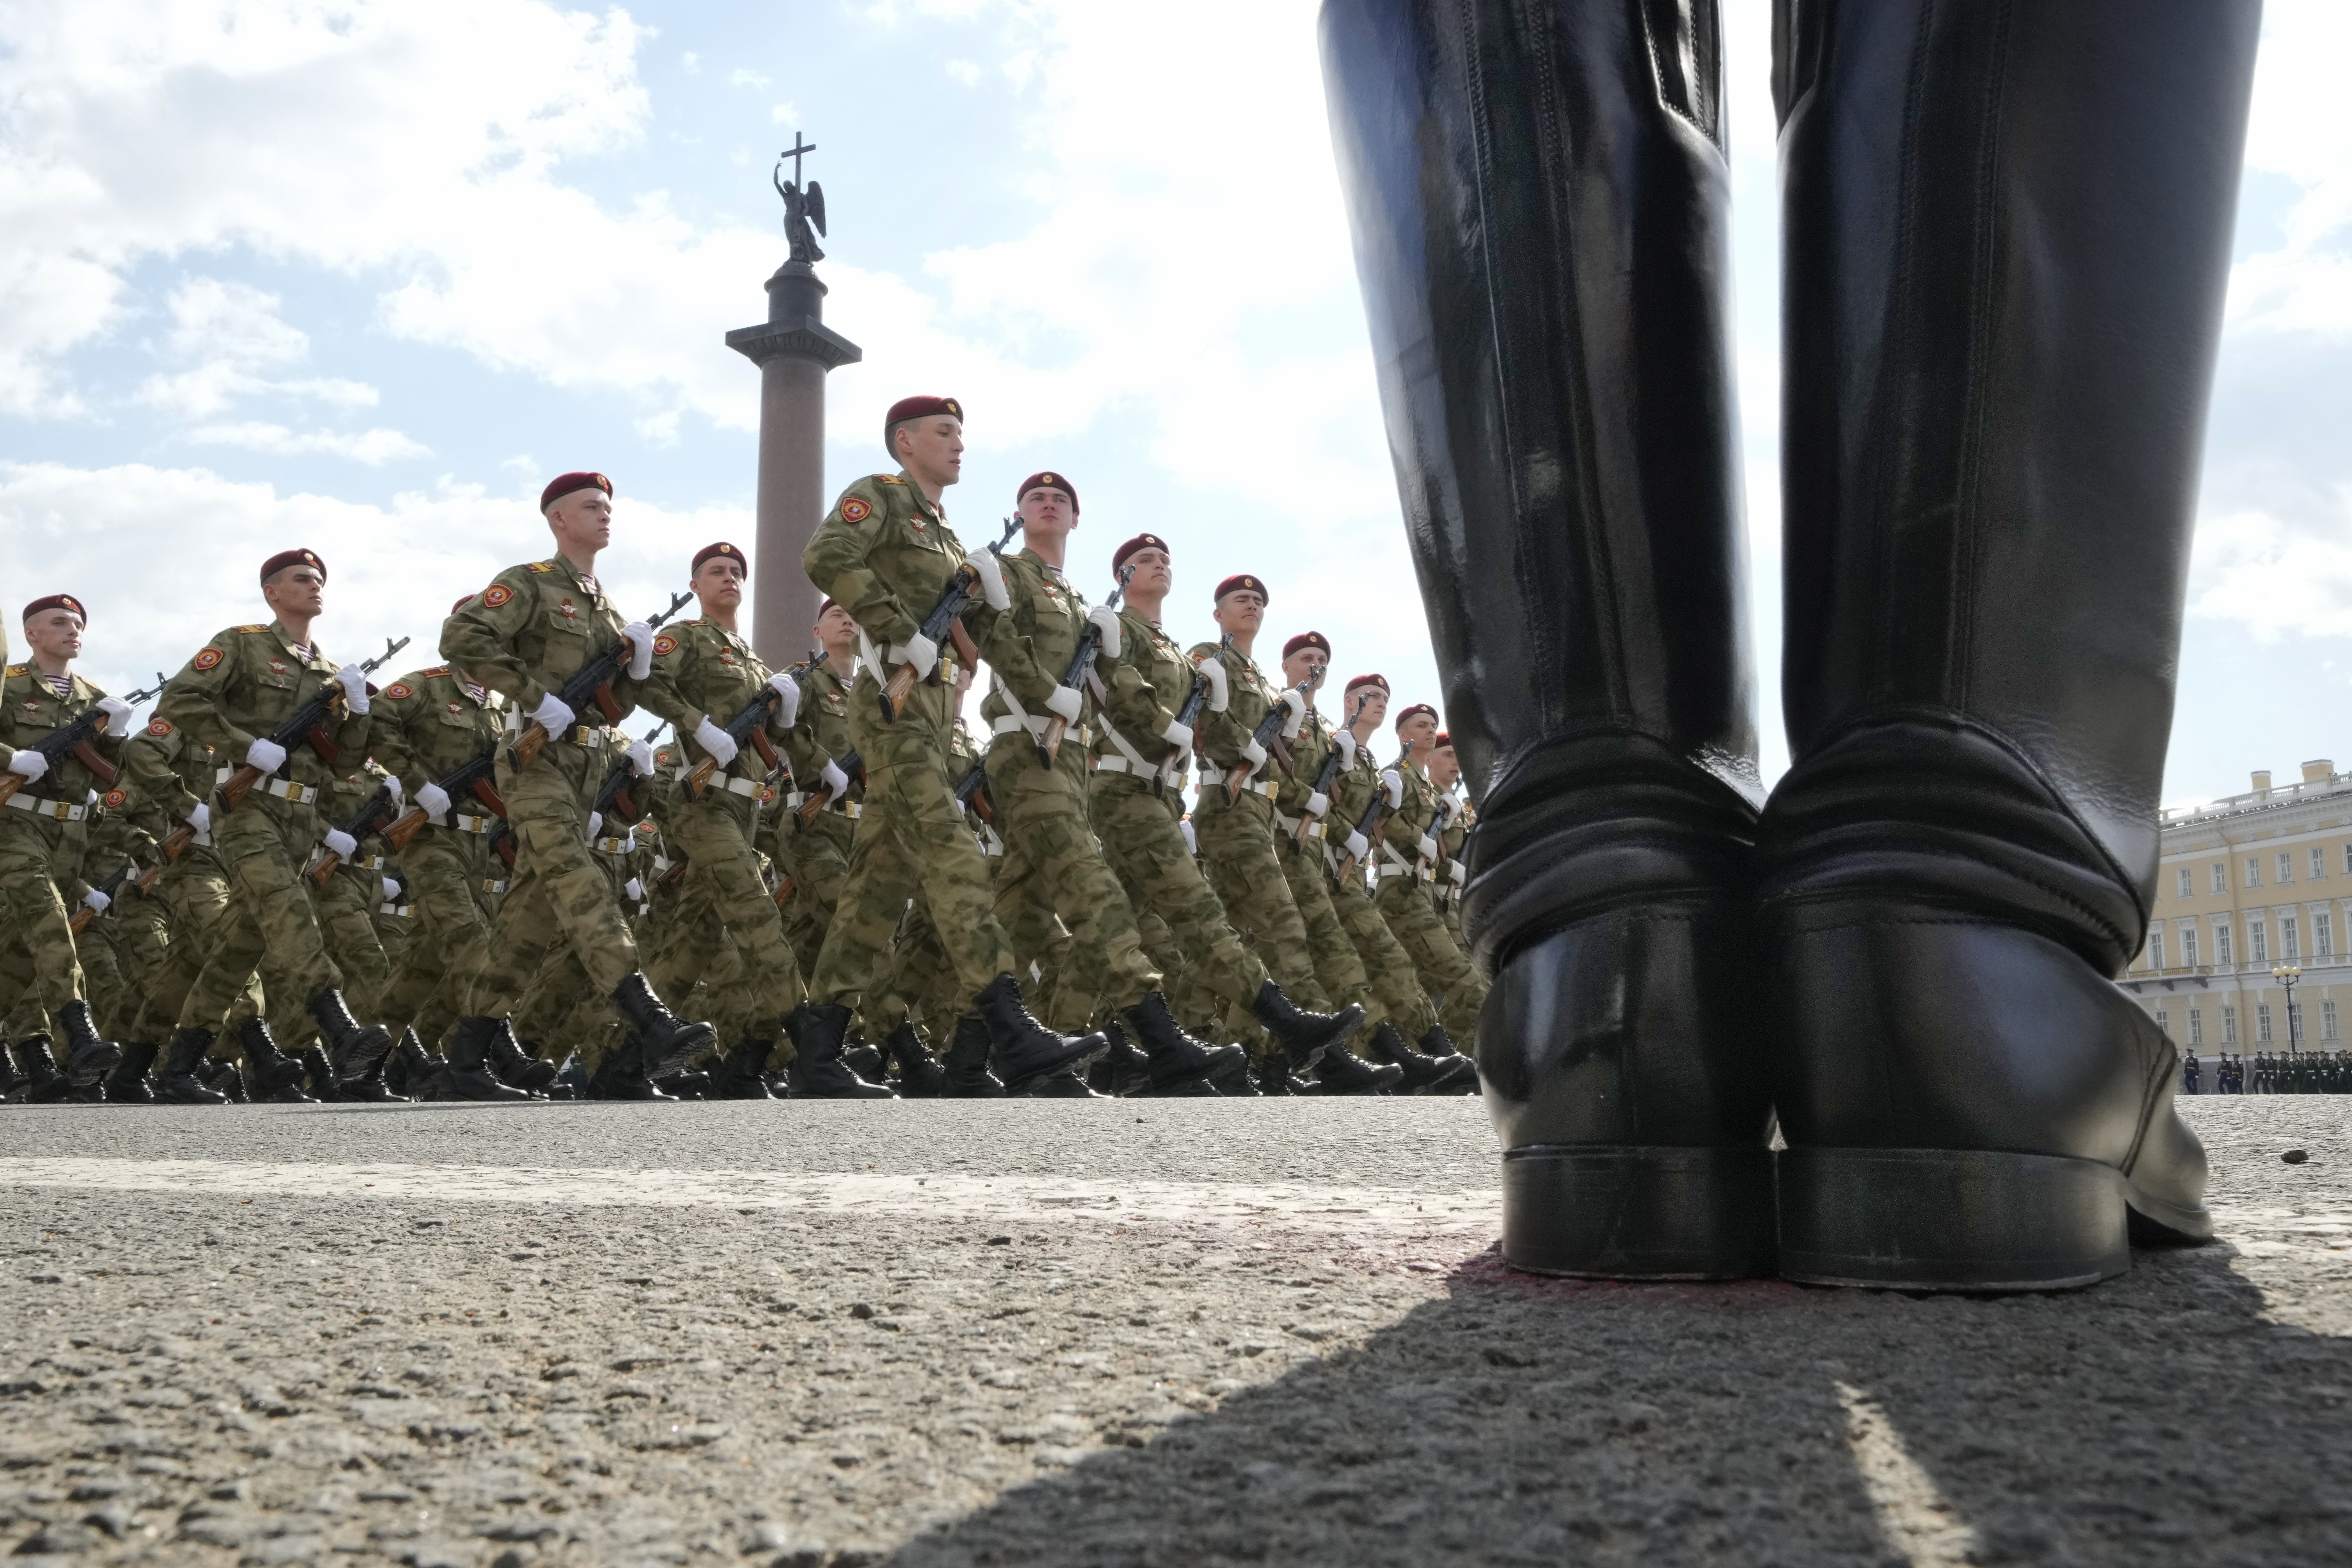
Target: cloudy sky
360,274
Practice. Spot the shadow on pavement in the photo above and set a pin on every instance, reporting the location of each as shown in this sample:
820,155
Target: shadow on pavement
2159,1418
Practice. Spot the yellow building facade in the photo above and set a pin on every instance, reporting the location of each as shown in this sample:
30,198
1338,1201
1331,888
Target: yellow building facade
2248,884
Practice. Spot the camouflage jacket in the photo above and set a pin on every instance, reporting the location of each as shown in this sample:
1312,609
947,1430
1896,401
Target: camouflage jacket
245,682
431,722
884,552
533,628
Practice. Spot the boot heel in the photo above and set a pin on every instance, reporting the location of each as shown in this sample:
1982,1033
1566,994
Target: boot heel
1950,1219
1633,1212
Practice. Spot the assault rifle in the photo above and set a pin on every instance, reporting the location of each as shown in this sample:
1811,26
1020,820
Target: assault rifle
674,877
1330,774
1268,736
471,776
307,723
1082,664
1189,714
109,888
612,797
501,843
73,739
592,683
852,768
370,817
971,792
750,725
1367,826
945,623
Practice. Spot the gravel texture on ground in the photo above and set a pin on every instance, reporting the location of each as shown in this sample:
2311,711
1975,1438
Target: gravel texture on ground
1117,1332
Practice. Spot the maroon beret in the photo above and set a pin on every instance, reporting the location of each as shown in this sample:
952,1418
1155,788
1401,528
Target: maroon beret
285,558
829,603
563,485
922,407
1047,479
1379,680
1140,542
57,602
1416,707
1308,639
1444,740
721,548
1237,582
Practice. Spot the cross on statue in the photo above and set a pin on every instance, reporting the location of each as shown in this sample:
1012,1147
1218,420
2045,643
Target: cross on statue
803,205
796,151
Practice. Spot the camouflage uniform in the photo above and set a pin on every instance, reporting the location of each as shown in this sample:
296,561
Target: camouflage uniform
1394,979
241,685
170,774
1405,876
886,553
1337,963
531,629
557,1004
43,830
346,906
816,854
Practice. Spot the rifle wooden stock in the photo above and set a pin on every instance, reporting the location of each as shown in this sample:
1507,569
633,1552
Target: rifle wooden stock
323,870
1049,744
87,755
81,919
240,784
176,843
815,802
11,782
671,878
149,876
697,777
783,891
1236,778
529,743
402,828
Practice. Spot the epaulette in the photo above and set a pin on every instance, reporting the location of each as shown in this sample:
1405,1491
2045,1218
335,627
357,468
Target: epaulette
888,480
17,669
540,566
436,670
248,630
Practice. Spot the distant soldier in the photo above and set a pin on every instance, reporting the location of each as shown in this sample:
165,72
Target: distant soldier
170,776
816,853
1409,854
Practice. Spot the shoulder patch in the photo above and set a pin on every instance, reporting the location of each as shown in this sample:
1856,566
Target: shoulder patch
160,727
853,510
540,566
115,799
249,630
430,674
498,593
399,689
206,659
665,644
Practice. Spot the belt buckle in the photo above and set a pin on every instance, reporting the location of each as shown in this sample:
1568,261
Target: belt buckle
62,811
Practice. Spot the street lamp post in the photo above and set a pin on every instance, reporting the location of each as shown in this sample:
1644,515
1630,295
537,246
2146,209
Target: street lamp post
2287,976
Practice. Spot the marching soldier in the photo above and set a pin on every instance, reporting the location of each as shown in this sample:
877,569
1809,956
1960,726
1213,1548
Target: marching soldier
886,553
1457,816
170,776
42,829
530,631
1409,852
817,854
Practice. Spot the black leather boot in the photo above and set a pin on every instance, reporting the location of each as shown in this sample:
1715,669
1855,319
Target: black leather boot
319,1075
966,1063
1343,1072
742,1072
466,1074
919,1077
864,1058
623,1074
670,1043
14,1079
414,1072
1303,1036
1022,1048
1121,1069
512,1065
1235,1081
225,1078
1274,1079
1061,1083
2006,232
353,1050
371,1087
128,1084
817,1071
1438,1045
1538,196
270,1074
691,1084
180,1079
1417,1074
88,1058
1173,1060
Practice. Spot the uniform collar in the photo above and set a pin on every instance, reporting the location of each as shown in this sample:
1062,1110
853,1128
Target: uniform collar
286,641
924,503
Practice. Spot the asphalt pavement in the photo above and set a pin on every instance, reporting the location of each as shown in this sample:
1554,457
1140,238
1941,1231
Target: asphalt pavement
1119,1333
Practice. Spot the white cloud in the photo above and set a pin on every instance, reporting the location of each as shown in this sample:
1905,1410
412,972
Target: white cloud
964,72
234,330
784,114
744,77
373,447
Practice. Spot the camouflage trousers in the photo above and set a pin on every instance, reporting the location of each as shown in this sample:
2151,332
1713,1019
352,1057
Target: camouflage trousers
442,875
140,930
1053,868
725,897
346,908
911,843
1388,968
1238,842
1412,914
1337,966
194,893
1143,839
816,857
557,892
33,853
557,1009
270,924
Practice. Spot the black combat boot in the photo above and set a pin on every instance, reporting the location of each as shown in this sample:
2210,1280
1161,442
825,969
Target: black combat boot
1062,1083
225,1078
1342,1071
414,1072
1173,1060
690,1084
966,1063
13,1079
88,1058
1121,1069
270,1074
1274,1078
1023,1049
466,1074
1303,1036
44,1083
128,1084
742,1072
321,1082
514,1066
863,1058
353,1050
817,1071
668,1042
1422,1075
180,1079
623,1074
1539,202
370,1087
919,1077
2006,237
1235,1081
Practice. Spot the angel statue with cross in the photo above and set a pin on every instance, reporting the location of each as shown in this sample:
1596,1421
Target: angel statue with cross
804,207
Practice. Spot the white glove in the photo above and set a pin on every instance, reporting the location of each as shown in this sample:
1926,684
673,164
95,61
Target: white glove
201,819
1346,741
551,715
1446,806
595,821
391,787
715,740
27,765
391,889
1456,871
991,572
266,754
1065,703
1191,844
355,684
788,699
641,649
1106,618
918,651
344,845
1214,674
1297,702
117,714
641,759
96,900
836,782
1428,847
431,800
1178,735
635,889
1356,846
1393,781
1318,804
1253,753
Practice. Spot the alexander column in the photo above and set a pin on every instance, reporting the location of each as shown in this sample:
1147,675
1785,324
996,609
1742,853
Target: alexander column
793,349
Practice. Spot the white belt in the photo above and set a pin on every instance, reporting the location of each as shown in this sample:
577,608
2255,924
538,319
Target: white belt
1255,786
1396,862
1290,824
612,845
1121,765
1006,723
53,810
578,735
369,863
287,790
459,824
735,783
493,885
397,911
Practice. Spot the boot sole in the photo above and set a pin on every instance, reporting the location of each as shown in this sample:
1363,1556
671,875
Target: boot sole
1080,1057
1638,1211
1959,1219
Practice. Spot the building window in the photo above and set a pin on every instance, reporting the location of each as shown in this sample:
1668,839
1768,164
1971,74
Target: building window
2221,870
2327,1020
2221,946
2196,1027
2322,934
2318,863
2287,870
2189,946
2258,945
2164,1020
2229,1024
2180,880
2253,872
2155,947
2288,947
2261,1023
2348,859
